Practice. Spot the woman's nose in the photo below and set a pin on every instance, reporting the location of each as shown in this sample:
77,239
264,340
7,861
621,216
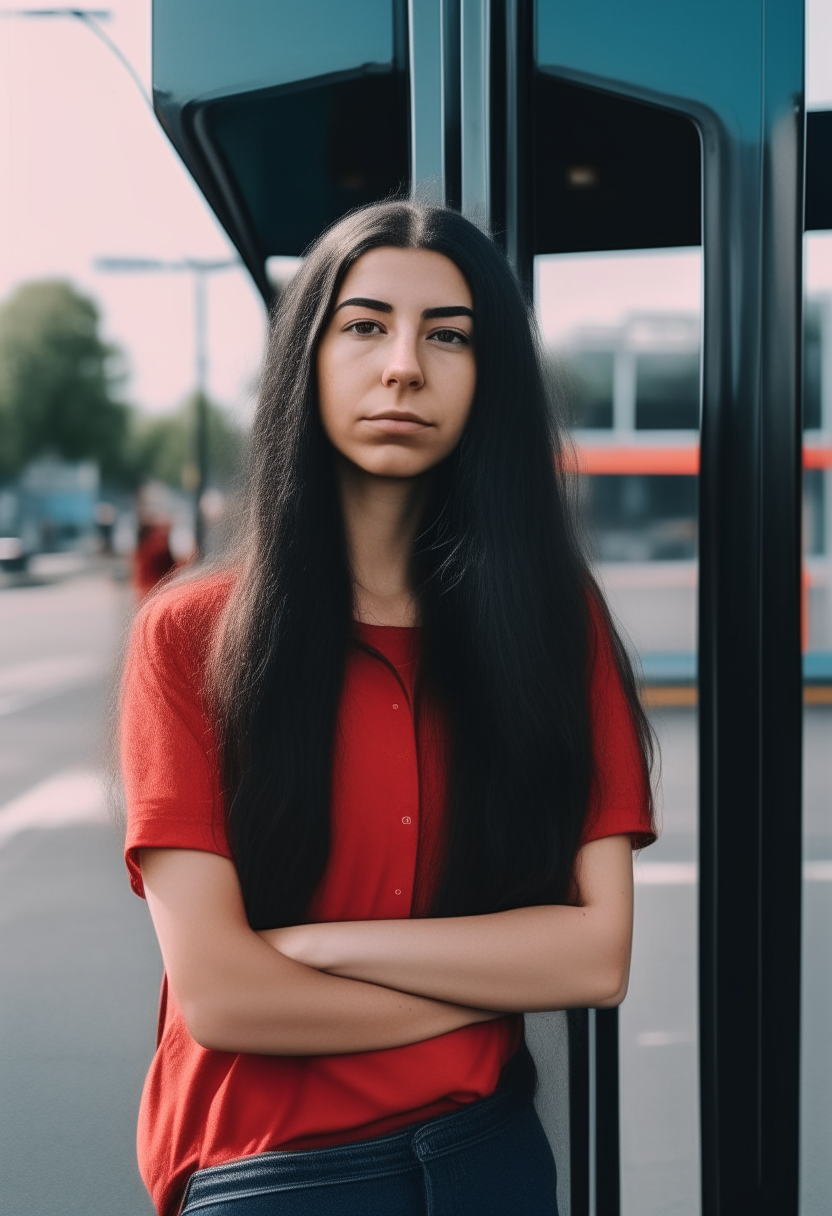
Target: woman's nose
403,368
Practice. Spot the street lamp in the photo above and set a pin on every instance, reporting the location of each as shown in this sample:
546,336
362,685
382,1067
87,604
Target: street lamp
200,268
91,18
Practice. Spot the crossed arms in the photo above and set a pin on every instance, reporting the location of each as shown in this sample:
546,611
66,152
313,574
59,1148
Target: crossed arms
353,986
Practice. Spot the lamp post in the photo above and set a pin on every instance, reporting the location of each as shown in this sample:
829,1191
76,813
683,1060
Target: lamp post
200,268
91,18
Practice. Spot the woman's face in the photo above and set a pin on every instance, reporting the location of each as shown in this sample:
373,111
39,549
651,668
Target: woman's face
396,368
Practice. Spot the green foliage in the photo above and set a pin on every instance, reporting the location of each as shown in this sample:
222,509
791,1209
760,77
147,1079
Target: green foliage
163,447
59,385
58,381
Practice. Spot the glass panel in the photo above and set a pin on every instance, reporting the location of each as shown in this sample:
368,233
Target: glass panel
816,1009
239,46
288,117
612,173
300,158
816,1113
621,335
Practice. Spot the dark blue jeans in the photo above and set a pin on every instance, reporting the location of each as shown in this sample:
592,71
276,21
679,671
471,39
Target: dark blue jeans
490,1159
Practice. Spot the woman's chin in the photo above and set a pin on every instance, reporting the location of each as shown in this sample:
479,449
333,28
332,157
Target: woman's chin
394,465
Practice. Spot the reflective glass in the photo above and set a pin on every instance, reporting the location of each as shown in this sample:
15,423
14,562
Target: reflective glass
816,1006
621,335
816,1113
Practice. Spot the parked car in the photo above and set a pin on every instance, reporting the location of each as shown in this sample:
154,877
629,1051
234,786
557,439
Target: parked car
14,557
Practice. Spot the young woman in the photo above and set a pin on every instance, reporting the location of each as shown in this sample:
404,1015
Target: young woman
386,772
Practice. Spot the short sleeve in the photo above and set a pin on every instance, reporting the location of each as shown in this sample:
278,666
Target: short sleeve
619,799
169,756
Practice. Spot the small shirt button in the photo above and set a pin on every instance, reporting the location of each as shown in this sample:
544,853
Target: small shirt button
395,707
406,819
398,890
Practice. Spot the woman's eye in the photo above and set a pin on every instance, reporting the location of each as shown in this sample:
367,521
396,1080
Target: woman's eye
364,328
452,337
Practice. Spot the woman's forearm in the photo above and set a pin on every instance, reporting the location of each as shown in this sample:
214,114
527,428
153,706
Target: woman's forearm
530,958
238,995
275,1006
551,957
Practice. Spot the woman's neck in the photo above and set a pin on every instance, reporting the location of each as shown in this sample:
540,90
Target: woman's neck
381,519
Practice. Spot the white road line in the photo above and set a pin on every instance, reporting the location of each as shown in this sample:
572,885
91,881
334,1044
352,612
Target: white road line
24,684
664,1038
817,871
73,796
665,873
685,873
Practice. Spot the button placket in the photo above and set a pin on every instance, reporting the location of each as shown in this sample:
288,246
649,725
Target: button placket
405,846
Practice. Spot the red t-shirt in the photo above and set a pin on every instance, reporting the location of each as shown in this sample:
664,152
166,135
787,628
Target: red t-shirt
201,1107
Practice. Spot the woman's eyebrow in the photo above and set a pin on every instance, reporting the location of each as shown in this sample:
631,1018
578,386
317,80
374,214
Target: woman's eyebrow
430,314
448,310
363,302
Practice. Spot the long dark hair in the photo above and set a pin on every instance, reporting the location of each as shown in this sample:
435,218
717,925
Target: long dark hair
503,590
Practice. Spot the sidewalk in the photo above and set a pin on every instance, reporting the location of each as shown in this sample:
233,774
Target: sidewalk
46,568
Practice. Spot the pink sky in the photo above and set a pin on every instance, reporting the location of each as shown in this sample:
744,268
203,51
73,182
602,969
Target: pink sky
86,171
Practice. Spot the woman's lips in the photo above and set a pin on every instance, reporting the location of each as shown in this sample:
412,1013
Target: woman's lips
398,424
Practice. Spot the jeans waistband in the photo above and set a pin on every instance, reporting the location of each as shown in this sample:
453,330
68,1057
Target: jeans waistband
393,1154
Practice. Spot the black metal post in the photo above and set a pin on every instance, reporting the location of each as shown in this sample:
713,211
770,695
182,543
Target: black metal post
579,1111
749,647
519,69
607,1155
452,102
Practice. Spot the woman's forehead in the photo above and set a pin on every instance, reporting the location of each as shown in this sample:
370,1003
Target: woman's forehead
403,276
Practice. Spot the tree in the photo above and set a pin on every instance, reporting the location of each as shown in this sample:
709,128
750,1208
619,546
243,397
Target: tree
58,381
163,447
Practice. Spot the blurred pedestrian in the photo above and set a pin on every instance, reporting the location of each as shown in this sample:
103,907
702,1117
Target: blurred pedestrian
152,556
105,522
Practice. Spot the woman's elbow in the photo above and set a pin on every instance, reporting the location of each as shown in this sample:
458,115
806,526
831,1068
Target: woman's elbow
210,1023
203,1025
612,985
613,1001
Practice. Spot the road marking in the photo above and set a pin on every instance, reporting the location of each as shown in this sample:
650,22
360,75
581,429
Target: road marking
817,871
663,1038
685,873
665,873
24,684
73,796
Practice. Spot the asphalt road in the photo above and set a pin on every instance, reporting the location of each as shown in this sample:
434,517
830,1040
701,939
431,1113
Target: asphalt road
79,964
79,967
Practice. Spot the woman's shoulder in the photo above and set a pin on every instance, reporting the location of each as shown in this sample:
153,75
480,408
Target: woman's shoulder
178,620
